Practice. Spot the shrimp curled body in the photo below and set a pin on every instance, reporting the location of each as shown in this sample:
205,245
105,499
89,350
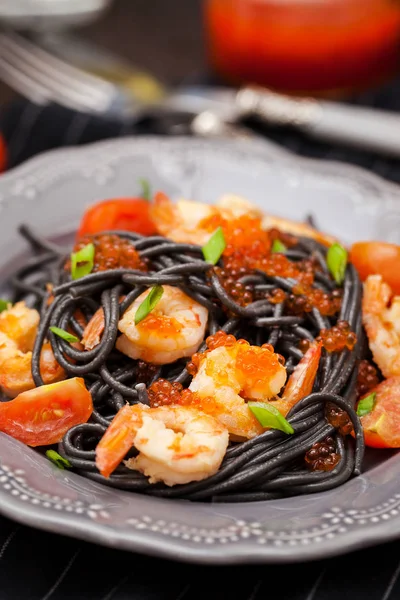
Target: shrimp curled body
18,328
229,375
174,329
176,444
381,319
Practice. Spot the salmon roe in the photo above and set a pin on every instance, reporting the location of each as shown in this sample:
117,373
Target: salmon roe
164,393
339,419
111,252
276,296
242,294
367,378
304,299
145,371
322,456
338,337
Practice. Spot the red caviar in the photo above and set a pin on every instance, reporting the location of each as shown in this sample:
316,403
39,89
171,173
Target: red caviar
111,252
339,419
322,456
242,294
304,299
145,371
367,378
338,337
164,393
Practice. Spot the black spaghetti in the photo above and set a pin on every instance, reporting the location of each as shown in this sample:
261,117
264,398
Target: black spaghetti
270,465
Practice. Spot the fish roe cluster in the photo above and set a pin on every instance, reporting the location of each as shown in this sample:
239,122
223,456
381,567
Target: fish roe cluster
240,293
339,419
145,371
367,378
276,296
164,393
322,456
112,252
304,299
278,265
338,337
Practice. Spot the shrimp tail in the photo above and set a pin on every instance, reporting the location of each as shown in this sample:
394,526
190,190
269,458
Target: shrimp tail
301,382
297,229
116,442
163,213
93,330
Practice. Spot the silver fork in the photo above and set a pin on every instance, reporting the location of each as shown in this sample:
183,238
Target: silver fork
43,78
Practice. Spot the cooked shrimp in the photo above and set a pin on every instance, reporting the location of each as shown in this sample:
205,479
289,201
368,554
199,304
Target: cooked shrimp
179,221
176,444
301,382
380,313
18,327
19,323
227,376
237,206
174,329
16,374
296,228
93,330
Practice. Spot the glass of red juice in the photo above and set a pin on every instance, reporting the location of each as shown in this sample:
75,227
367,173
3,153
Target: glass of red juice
315,47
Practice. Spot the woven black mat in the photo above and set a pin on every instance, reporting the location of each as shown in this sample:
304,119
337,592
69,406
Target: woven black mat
35,565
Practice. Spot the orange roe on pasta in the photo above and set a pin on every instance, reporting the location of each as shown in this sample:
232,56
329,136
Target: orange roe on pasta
111,252
164,393
338,337
322,456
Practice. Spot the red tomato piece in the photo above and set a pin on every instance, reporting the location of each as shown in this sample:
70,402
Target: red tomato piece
42,416
382,425
127,214
377,258
3,154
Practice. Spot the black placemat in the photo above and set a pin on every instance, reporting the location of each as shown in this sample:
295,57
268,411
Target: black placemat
35,565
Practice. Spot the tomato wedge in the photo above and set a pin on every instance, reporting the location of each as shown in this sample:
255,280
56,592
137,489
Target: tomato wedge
382,425
42,416
128,214
377,258
3,155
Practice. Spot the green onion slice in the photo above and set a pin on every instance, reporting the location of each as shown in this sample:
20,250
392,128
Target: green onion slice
146,191
213,249
336,259
82,261
366,405
149,303
68,337
4,304
58,460
269,416
278,246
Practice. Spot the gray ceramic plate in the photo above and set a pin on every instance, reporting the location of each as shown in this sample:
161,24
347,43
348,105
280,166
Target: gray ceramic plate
50,192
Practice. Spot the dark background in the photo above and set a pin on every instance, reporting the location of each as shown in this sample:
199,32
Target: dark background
166,38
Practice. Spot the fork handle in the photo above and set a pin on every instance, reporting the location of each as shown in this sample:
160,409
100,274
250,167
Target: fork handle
363,128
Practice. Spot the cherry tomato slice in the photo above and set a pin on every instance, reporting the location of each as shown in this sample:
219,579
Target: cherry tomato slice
3,155
127,214
382,425
377,258
42,416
